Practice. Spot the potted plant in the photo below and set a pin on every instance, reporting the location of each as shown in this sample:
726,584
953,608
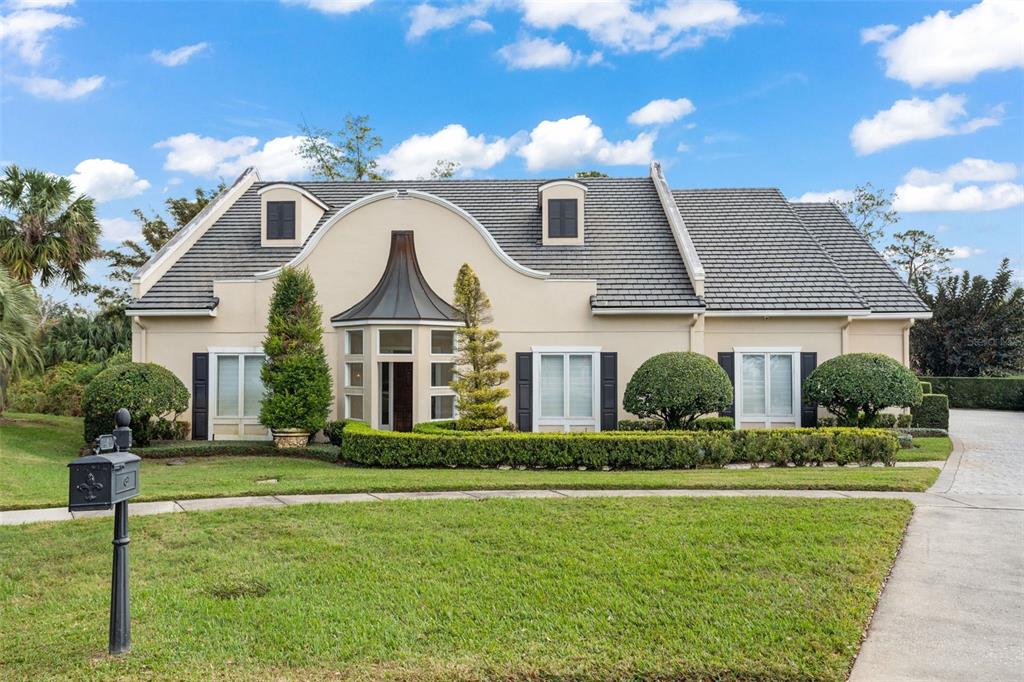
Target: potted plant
296,378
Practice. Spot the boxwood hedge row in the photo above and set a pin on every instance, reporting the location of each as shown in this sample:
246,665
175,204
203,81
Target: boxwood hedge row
986,393
618,450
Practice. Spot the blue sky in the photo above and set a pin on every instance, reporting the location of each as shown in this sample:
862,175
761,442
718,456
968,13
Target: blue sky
141,101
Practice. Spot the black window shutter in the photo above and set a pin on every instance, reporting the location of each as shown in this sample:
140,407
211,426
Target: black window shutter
554,218
524,391
200,395
288,220
609,391
808,411
569,218
728,363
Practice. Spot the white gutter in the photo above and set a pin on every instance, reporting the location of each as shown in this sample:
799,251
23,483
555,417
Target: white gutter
901,316
647,311
172,312
675,220
788,313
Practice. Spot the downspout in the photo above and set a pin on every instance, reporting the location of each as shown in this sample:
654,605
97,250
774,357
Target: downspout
844,336
137,321
906,341
696,329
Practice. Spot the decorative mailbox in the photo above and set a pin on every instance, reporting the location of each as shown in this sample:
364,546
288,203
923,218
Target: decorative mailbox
102,480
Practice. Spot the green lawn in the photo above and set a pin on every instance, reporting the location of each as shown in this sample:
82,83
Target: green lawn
725,589
927,450
35,449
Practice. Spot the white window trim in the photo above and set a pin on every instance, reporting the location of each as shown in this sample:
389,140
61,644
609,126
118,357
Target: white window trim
348,345
348,411
455,407
766,419
212,417
348,373
567,422
389,356
434,355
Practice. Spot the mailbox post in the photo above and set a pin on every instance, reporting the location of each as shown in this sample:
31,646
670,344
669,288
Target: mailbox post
109,478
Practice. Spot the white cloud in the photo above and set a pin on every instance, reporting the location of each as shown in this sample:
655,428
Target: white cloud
924,190
537,53
480,26
877,34
51,88
835,195
331,6
26,30
945,48
616,24
661,111
424,18
178,56
960,252
916,119
571,141
682,147
210,157
416,156
116,230
106,179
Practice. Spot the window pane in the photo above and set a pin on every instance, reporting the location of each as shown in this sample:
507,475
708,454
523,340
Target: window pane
355,342
442,407
396,341
581,386
552,395
781,399
753,384
354,374
441,374
355,406
252,388
227,385
442,341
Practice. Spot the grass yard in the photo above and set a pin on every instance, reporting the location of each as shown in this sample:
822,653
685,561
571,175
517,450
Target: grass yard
35,449
725,589
927,450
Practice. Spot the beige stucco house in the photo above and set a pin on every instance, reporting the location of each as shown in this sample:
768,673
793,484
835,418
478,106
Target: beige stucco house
588,278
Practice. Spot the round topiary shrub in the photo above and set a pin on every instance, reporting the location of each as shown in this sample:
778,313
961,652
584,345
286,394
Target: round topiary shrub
148,391
678,388
856,386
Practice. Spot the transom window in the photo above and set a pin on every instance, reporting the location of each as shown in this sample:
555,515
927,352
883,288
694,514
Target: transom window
395,342
280,220
768,386
562,218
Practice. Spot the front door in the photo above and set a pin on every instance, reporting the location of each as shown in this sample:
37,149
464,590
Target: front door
402,395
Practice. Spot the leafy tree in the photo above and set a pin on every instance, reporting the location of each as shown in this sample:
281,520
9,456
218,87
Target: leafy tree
149,391
46,231
296,378
855,387
919,255
346,154
678,388
82,336
444,170
478,377
976,329
591,174
870,211
19,323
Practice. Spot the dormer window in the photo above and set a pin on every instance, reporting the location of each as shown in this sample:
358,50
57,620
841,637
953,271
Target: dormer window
561,204
281,220
562,218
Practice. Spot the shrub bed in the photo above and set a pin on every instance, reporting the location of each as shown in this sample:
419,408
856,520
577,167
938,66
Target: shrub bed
933,412
233,448
986,393
924,432
702,424
618,450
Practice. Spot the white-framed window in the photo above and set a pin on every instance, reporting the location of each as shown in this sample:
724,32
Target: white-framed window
236,390
353,375
768,386
354,406
442,341
441,374
565,388
354,342
442,407
394,341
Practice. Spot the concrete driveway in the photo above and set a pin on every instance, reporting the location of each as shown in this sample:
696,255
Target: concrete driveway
953,608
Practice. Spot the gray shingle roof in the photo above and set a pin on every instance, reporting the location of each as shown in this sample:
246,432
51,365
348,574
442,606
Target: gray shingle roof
629,246
758,255
884,290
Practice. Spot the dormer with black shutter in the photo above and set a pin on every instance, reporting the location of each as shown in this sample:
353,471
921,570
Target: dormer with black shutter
288,214
561,207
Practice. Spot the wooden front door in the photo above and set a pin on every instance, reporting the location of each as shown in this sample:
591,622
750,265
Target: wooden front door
402,387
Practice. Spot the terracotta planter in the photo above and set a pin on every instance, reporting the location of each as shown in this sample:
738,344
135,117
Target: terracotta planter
291,438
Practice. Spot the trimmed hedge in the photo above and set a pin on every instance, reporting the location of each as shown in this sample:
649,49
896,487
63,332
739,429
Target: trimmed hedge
985,393
233,448
333,431
933,412
702,424
926,387
618,450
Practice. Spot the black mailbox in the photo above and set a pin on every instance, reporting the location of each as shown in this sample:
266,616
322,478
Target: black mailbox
101,481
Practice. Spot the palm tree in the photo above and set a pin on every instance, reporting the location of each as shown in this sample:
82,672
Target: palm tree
19,324
46,231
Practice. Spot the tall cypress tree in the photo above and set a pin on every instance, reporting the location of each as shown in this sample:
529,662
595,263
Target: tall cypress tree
478,377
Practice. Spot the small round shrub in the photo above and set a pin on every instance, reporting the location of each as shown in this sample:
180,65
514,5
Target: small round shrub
855,387
678,388
148,391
